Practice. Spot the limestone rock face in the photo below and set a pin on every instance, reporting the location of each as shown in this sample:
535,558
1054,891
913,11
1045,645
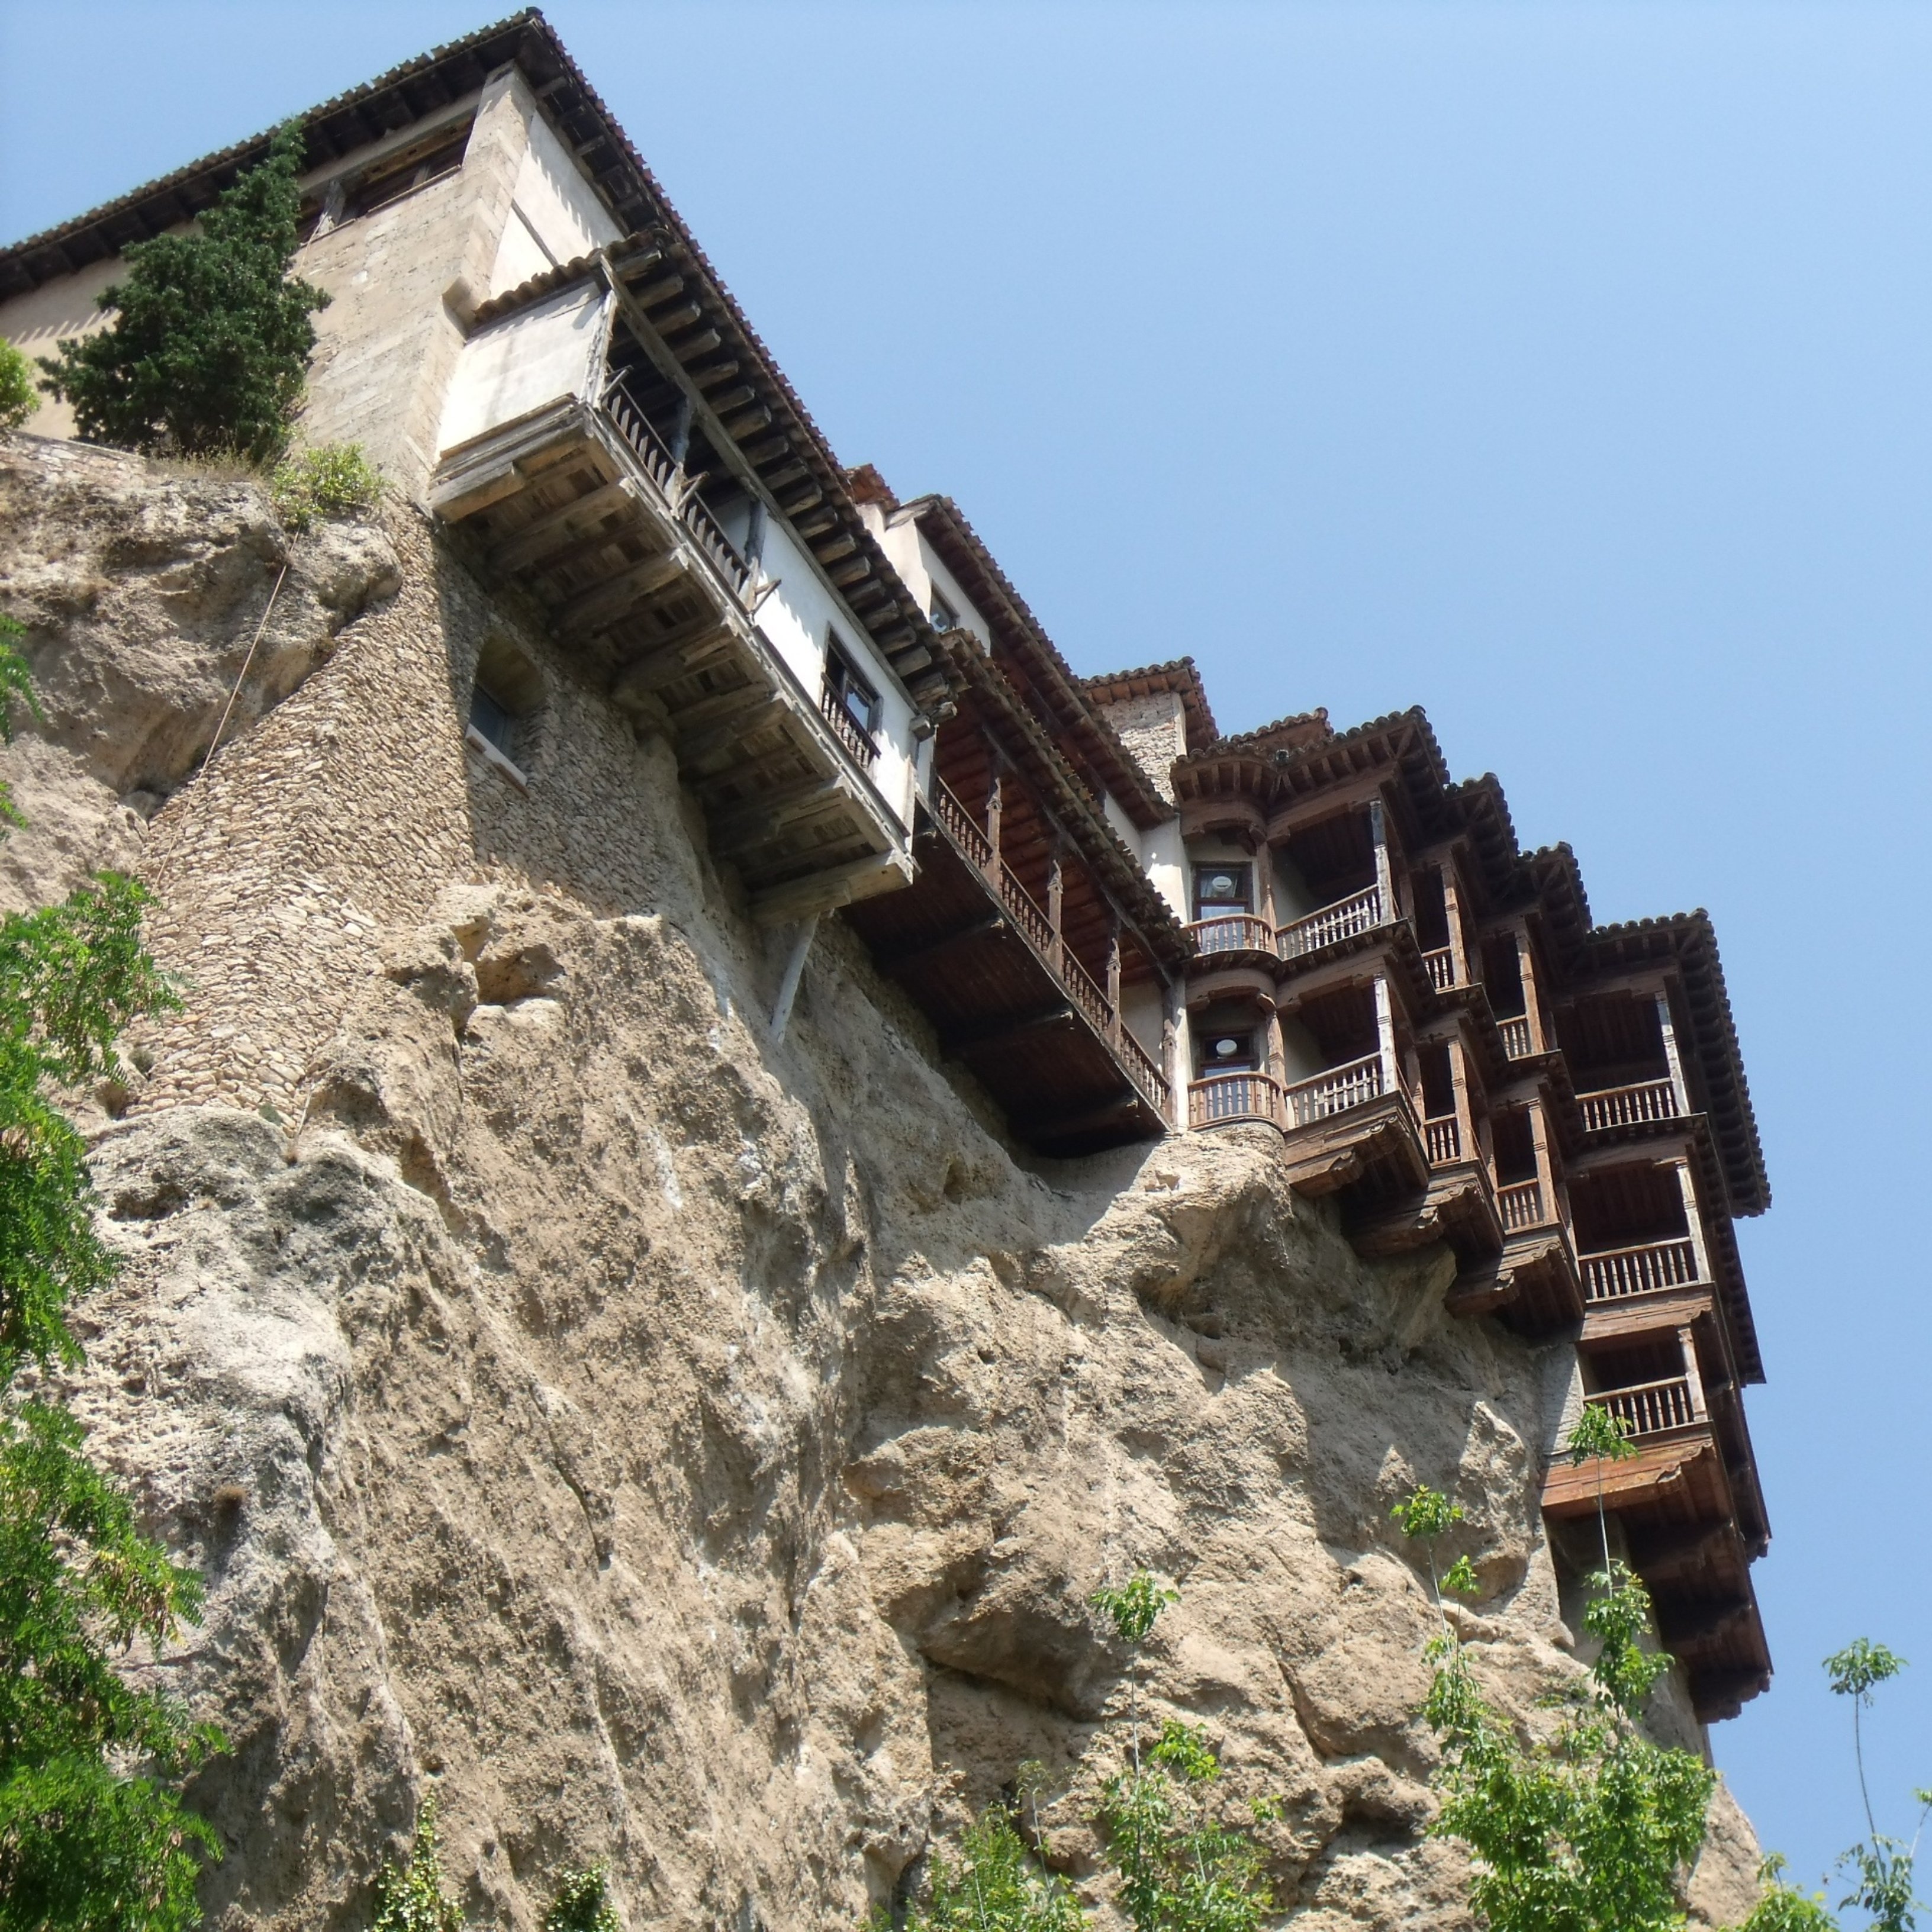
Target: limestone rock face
141,588
696,1452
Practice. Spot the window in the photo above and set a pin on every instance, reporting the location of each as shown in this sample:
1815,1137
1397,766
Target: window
491,716
943,616
850,691
1229,1052
1220,889
505,706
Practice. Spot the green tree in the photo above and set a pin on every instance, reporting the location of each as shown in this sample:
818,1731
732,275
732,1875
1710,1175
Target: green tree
1594,1830
1881,1866
1189,1861
93,1834
211,338
92,1827
19,399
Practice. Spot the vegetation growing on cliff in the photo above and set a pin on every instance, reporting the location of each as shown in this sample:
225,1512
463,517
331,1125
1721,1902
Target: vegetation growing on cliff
93,1834
211,336
1186,1853
18,397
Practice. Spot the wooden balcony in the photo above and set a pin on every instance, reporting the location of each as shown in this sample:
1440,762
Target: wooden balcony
1240,933
1518,1041
1346,919
1443,1138
1521,1205
1678,1503
1338,1091
1639,1104
1652,1408
1440,964
1009,999
1613,1274
561,487
1223,1099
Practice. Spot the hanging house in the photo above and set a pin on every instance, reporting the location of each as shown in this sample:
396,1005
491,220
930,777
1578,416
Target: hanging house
1122,923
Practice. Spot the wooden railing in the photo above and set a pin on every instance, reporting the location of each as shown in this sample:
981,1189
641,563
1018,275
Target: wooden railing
1054,954
1441,964
961,828
846,729
1518,1042
1611,1273
668,475
1233,932
1648,1409
1629,1106
1520,1205
1445,1140
1363,912
1222,1097
1334,1092
1029,919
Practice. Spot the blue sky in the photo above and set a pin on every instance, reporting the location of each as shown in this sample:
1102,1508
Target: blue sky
1562,368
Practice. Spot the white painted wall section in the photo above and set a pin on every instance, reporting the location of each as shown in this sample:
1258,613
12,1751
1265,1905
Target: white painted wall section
555,213
537,356
795,619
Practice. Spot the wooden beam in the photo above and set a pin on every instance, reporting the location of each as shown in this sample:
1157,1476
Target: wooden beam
733,732
1069,1126
737,827
1006,1031
820,892
678,658
722,705
536,537
899,958
596,607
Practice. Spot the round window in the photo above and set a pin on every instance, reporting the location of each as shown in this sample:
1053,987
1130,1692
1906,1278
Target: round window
1221,886
1226,1049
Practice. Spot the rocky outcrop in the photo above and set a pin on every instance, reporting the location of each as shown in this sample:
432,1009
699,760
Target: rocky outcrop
695,1450
143,587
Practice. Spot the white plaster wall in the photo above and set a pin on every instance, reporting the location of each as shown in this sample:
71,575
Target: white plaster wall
1164,859
920,570
1302,1059
1292,897
555,213
796,618
57,312
938,578
1141,1009
525,361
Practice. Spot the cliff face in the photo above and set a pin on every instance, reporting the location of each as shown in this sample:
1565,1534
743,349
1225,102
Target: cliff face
679,1447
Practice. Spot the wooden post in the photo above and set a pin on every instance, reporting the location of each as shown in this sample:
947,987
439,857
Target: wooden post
1465,1113
1385,1036
1545,1168
1688,1343
1693,1220
1676,1065
1384,877
1170,1038
1532,998
1113,974
1056,886
680,430
1452,904
1264,884
993,810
